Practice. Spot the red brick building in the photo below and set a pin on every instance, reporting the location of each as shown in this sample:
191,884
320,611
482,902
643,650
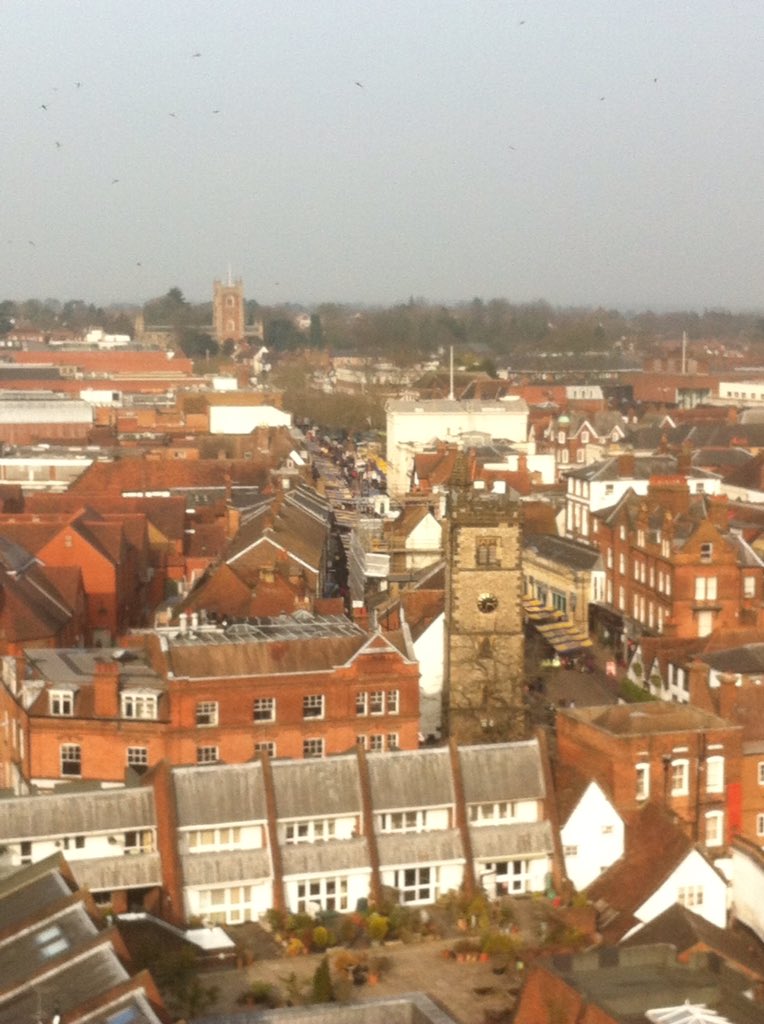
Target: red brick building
684,758
672,564
300,686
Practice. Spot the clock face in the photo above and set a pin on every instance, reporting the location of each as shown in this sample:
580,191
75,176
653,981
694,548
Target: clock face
487,603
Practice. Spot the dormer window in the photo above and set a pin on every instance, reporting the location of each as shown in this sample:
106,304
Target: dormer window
139,705
61,702
706,552
584,437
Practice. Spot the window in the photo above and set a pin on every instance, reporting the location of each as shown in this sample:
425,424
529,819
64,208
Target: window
61,702
487,552
207,712
622,564
264,709
584,437
226,905
608,488
393,700
690,896
760,824
564,455
313,706
706,551
760,768
715,828
139,842
377,702
50,942
622,532
513,876
362,703
749,586
666,548
580,455
361,741
643,781
491,813
570,851
138,757
402,821
393,741
268,746
207,755
705,588
715,774
313,748
25,851
71,759
327,893
415,885
679,778
376,744
227,837
309,831
139,705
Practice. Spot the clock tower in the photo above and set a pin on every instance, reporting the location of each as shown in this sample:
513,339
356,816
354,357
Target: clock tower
484,656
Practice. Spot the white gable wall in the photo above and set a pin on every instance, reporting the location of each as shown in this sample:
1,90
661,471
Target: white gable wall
592,837
428,650
694,873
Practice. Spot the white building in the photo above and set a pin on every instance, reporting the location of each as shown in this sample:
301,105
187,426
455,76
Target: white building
592,836
243,419
313,834
413,425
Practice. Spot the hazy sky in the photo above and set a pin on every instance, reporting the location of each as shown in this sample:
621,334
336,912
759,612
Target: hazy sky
582,151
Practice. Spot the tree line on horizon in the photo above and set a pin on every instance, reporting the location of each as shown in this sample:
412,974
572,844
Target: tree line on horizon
490,331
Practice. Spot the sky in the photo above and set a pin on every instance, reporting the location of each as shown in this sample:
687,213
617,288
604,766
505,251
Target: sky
587,152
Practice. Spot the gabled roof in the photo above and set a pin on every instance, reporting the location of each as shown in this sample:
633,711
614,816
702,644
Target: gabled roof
625,886
685,930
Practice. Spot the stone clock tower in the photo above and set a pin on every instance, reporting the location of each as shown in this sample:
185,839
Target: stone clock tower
483,677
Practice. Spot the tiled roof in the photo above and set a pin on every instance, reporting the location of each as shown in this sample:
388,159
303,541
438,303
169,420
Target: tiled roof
138,475
632,879
686,930
645,718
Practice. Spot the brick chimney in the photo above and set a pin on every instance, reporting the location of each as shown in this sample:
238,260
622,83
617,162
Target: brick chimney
718,505
670,493
626,464
232,520
106,689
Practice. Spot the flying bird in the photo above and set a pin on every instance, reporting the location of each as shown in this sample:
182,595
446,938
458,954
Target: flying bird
58,145
197,54
114,181
359,84
215,111
173,115
43,107
78,85
33,244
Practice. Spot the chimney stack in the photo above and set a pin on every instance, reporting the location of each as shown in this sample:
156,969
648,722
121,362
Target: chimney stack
106,689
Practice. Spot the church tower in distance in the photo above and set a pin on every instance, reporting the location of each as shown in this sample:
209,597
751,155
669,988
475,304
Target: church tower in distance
228,310
484,656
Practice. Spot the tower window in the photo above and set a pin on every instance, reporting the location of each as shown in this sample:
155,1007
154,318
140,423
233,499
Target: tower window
487,552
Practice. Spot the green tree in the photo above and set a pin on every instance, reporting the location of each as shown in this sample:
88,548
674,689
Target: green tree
196,344
323,989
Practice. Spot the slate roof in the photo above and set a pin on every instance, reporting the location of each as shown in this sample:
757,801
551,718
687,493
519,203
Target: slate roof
563,551
219,795
333,788
81,813
496,772
500,842
745,660
226,866
410,780
120,872
310,858
401,848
